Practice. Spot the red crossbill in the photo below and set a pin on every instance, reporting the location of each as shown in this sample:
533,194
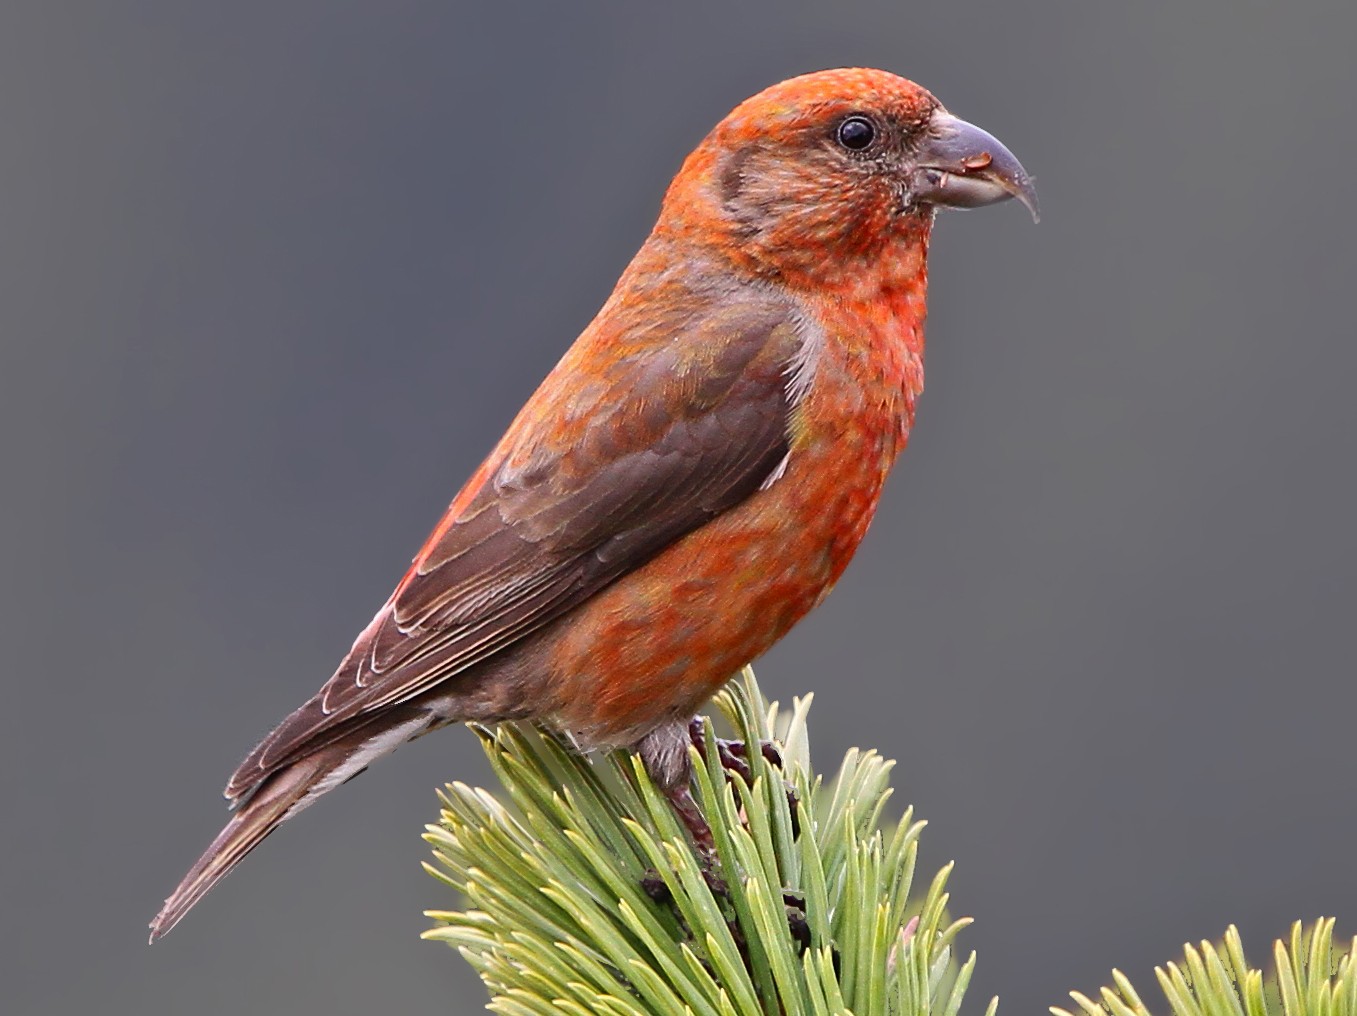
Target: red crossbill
691,478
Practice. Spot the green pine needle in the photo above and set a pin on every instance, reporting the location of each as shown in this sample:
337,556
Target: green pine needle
1312,977
583,895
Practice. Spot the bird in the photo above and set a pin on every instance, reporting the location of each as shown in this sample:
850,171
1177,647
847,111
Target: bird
692,477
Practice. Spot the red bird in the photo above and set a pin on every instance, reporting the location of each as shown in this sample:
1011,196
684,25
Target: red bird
691,478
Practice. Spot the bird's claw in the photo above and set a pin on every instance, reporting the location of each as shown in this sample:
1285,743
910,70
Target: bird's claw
734,757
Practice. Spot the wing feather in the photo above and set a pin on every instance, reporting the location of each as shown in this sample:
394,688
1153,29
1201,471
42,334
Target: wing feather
638,437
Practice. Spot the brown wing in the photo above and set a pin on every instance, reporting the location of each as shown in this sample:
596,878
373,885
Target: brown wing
642,433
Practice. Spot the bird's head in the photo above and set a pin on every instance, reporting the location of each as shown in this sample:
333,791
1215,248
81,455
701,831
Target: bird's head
832,168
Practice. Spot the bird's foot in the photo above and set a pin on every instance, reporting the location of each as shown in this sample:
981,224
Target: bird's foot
734,756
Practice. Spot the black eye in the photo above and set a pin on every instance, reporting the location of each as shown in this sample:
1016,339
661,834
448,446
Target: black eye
856,133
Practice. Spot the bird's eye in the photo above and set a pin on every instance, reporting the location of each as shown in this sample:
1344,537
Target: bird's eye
856,133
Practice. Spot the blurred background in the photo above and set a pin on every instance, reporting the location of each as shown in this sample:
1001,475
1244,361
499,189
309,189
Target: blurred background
274,277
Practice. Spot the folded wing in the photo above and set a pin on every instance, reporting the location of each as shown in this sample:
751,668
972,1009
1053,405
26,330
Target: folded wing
645,431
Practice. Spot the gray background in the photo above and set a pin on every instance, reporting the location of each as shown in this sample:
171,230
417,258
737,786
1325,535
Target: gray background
273,277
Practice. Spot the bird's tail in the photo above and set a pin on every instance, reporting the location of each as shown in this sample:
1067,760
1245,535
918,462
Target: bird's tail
283,794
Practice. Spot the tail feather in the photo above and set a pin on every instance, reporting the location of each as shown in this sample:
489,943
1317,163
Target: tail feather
279,797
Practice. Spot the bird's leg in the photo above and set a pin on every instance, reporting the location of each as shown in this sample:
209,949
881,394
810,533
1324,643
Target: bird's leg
734,756
685,806
664,751
665,754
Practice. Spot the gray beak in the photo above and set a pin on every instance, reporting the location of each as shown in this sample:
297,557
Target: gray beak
961,166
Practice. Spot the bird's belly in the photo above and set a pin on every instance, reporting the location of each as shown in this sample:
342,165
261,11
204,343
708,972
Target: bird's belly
654,646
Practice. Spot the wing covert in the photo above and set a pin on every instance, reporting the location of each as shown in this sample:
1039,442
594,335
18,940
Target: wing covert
641,434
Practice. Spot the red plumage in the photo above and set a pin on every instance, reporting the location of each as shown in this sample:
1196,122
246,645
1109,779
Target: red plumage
691,478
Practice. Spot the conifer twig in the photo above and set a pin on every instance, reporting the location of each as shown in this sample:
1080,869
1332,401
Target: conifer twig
1312,976
583,896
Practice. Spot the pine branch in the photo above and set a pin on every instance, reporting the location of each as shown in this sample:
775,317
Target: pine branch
583,895
1311,977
